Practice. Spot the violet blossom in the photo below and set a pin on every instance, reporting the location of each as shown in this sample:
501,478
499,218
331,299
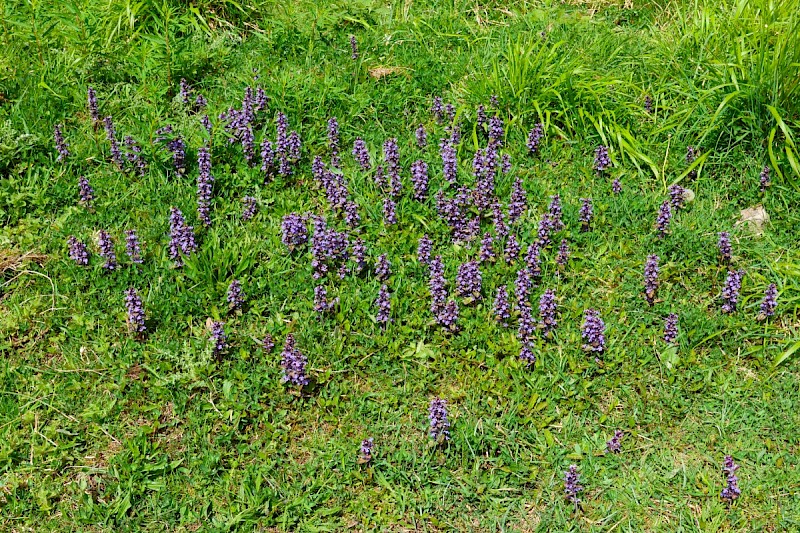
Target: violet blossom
106,246
486,252
593,331
61,144
601,159
205,184
218,338
293,363
250,208
85,191
651,278
383,268
663,219
770,302
132,247
585,214
424,250
136,317
535,138
294,232
422,136
437,417
519,201
614,445
502,308
361,154
547,311
384,305
730,292
724,245
78,251
234,295
469,280
419,179
731,491
671,328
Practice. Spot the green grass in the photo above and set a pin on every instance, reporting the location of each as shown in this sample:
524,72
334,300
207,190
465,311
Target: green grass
100,431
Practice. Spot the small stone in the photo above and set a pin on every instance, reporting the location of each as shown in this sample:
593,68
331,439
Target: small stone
754,218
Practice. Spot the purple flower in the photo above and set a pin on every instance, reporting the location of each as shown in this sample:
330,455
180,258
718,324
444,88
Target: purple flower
585,213
731,491
648,104
770,301
133,154
329,248
333,141
481,118
293,363
764,177
469,280
235,298
294,232
532,259
424,250
535,138
493,101
250,208
384,306
182,242
450,111
724,245
691,155
135,308
111,135
383,268
437,417
555,213
512,249
353,48
502,309
486,252
389,211
671,328
421,136
351,216
321,302
361,154
730,292
614,445
365,452
218,338
651,278
449,161
526,326
206,122
519,201
200,103
438,109
268,343
106,246
676,193
572,486
593,331
547,311
185,92
85,191
496,131
436,284
267,158
522,287
499,221
205,184
78,251
663,219
526,354
601,159
359,255
616,186
563,254
419,179
391,159
132,247
545,228
92,101
61,144
448,316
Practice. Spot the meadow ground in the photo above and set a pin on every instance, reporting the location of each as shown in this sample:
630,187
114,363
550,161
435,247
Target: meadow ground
102,429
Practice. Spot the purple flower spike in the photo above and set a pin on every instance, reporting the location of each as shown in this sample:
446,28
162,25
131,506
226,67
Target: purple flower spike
651,278
384,305
532,259
554,213
535,138
294,232
499,221
267,158
648,104
522,287
519,201
389,211
563,254
585,214
78,251
436,284
424,250
691,155
770,302
219,339
676,193
106,246
391,159
293,363
365,452
133,154
437,417
448,316
205,185
730,292
333,141
546,227
449,161
92,104
526,354
724,245
182,242
361,154
437,108
250,208
526,327
663,219
132,247
512,249
421,136
321,302
359,255
614,445
85,191
111,135
419,179
616,186
353,48
764,179
486,253
268,343
185,92
496,131
175,145
547,311
593,332
235,298
469,280
61,144
383,268
601,159
731,491
671,328
502,308
135,308
572,486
